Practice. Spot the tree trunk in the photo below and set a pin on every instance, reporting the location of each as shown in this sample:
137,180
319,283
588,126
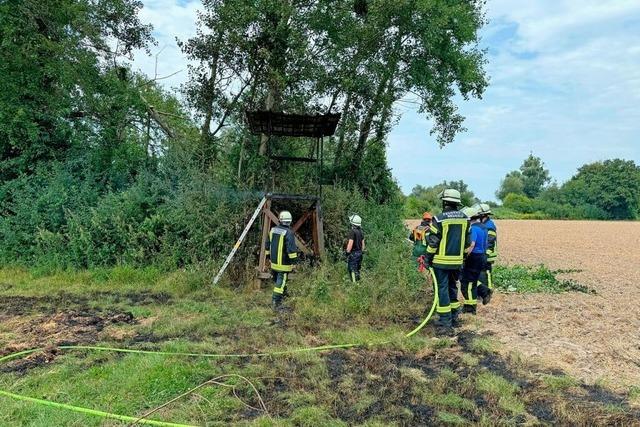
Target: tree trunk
208,116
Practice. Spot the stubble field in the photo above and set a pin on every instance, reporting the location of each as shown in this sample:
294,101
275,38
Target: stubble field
595,337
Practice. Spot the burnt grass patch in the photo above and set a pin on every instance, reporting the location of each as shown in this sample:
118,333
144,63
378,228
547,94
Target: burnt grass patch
402,388
21,305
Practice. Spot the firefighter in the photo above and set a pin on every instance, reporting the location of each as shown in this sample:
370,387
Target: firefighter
355,248
283,254
419,238
448,237
475,260
485,283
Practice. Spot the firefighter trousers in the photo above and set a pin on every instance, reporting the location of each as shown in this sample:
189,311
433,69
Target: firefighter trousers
354,263
447,281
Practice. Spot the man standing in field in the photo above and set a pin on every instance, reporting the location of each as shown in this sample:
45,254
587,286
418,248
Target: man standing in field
355,248
447,240
283,254
475,260
485,283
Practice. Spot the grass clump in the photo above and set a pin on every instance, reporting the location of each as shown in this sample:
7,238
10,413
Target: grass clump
453,419
483,345
559,382
500,389
529,279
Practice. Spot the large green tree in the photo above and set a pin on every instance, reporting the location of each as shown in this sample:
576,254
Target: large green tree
511,184
325,55
611,185
60,85
534,176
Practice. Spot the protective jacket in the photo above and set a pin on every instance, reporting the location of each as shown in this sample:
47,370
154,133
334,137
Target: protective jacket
448,238
282,249
492,241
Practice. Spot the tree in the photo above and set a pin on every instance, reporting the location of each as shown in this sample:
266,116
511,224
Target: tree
612,186
427,198
534,176
61,87
511,184
327,55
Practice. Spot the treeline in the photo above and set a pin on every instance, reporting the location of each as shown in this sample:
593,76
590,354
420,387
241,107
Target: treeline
607,189
100,165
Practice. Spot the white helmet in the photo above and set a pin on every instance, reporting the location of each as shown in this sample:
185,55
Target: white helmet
450,195
355,220
285,218
486,209
472,211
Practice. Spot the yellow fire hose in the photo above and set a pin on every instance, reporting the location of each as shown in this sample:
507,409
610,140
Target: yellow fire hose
108,415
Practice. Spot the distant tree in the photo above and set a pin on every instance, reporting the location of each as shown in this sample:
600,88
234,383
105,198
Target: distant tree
612,186
534,176
426,198
511,184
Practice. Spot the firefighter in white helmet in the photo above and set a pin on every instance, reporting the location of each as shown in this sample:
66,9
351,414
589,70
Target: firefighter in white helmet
355,248
448,238
283,254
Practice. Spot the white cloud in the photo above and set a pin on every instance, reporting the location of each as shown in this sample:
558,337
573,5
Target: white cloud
564,84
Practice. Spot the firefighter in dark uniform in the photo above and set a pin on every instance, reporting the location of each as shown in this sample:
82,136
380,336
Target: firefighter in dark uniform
475,261
485,283
448,238
355,248
419,237
283,254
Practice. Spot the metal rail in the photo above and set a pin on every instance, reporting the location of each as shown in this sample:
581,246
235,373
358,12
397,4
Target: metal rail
239,242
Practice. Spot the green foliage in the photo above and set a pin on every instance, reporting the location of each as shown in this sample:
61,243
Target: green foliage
612,186
601,190
534,176
527,279
511,184
424,199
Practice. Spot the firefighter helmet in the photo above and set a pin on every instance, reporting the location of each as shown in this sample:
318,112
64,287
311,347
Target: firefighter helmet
450,195
486,209
285,218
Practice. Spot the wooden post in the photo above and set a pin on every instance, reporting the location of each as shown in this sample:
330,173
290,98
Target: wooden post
319,230
266,226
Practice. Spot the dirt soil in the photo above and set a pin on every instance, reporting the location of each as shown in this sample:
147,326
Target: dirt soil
592,337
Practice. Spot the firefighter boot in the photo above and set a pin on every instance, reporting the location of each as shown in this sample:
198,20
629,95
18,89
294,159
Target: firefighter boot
443,325
470,309
455,318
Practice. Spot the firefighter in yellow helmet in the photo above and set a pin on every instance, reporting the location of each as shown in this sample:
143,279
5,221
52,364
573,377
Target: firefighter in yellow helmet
448,238
283,254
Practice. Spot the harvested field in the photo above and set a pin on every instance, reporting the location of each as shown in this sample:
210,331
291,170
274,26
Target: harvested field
592,337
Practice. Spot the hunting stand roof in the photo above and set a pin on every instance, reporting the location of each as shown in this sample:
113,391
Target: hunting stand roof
296,125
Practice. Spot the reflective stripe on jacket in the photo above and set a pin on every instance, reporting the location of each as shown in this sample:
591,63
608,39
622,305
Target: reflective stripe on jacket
448,238
282,248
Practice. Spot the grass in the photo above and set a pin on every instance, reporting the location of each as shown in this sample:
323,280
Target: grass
417,381
529,279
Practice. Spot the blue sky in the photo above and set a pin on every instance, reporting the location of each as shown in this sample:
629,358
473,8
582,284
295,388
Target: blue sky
564,84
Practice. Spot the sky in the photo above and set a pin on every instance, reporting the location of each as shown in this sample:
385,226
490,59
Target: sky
564,85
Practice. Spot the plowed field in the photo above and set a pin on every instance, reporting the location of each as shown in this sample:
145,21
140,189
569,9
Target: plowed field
592,337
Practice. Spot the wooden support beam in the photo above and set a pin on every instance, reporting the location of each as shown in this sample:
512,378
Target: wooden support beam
302,220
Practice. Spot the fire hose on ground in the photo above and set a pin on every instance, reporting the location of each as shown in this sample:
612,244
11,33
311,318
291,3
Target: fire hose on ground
138,420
